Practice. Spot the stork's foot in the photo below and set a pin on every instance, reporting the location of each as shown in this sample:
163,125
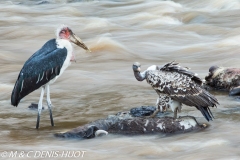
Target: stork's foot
38,120
50,112
51,117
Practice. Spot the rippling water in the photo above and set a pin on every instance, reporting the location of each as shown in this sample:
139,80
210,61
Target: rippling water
197,34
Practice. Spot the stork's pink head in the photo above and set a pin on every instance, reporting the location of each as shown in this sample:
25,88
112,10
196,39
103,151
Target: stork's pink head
64,32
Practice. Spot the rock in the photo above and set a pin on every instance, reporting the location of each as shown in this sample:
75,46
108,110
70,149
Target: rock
142,111
34,106
146,111
125,123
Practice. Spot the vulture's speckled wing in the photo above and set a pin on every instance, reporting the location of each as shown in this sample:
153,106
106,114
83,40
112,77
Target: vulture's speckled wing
182,86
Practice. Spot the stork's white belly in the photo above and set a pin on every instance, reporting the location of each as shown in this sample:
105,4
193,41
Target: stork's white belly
61,44
66,63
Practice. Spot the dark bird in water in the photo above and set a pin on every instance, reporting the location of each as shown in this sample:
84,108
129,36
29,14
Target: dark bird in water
227,79
175,86
45,66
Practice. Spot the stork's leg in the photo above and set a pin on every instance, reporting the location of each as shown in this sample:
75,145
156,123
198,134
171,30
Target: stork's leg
40,107
49,104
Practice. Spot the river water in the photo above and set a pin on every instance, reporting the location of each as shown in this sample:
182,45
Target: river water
198,34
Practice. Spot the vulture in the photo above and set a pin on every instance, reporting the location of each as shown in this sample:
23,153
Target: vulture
176,85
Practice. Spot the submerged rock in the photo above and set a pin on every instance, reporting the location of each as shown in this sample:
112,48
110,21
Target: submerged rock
126,123
34,106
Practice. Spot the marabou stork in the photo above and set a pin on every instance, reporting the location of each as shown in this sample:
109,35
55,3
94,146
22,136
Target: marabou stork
45,66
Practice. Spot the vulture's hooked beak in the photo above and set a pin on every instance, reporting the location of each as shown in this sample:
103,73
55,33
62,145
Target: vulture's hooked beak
139,69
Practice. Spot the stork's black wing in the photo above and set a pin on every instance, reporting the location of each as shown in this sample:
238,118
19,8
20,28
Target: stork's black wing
38,70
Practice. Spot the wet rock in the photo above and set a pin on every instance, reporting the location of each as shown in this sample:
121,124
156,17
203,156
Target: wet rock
146,111
125,123
34,106
142,111
234,91
231,110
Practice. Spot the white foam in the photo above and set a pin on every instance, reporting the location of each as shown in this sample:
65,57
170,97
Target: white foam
230,41
105,43
213,5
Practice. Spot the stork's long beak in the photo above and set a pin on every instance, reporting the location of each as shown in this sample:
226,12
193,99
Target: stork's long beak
76,40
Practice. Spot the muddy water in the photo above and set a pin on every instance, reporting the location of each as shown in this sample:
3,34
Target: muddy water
196,34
